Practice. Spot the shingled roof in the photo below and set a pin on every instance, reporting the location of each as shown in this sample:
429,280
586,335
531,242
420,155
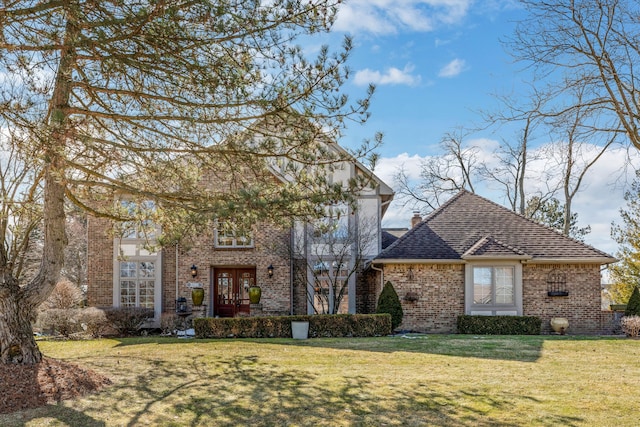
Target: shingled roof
469,226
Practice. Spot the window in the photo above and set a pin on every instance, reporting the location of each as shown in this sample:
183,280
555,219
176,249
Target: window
493,285
137,284
493,289
230,235
330,278
144,227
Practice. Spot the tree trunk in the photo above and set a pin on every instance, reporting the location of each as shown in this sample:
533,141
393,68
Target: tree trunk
17,344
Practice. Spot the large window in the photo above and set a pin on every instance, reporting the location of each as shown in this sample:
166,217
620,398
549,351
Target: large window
137,284
493,285
493,289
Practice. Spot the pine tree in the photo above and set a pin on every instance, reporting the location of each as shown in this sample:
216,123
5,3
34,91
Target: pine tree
633,306
388,302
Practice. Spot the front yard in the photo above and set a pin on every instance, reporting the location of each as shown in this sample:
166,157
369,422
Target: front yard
435,380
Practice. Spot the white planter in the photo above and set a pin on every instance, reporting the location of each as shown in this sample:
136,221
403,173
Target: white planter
300,330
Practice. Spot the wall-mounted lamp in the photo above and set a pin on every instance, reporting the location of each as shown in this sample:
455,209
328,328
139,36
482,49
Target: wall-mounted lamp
410,273
270,270
194,271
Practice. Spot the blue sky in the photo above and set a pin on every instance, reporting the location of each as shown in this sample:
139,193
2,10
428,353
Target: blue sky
436,63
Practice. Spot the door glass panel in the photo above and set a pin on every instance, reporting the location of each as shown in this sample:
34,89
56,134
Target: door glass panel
246,281
225,288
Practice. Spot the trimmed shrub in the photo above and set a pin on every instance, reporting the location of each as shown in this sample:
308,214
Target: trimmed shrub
388,302
128,321
499,325
95,323
633,306
324,325
630,325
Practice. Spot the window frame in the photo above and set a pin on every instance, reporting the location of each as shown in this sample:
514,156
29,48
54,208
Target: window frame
494,308
234,236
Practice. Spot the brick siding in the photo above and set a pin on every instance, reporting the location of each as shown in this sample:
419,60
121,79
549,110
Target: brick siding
440,296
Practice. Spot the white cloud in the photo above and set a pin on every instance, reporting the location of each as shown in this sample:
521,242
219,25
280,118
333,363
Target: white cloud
453,68
391,16
392,76
597,204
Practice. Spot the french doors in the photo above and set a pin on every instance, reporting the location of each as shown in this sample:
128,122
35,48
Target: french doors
231,290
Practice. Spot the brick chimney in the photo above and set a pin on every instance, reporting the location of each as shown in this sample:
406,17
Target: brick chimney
416,219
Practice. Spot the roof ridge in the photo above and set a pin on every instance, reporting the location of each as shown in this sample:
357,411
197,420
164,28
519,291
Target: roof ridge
443,206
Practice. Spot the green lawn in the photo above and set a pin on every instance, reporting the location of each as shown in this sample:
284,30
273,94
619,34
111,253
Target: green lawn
434,380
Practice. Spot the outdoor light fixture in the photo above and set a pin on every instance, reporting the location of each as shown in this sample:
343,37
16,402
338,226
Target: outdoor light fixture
270,270
194,271
410,273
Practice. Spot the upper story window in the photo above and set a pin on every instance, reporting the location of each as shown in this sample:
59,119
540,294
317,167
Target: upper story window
334,227
143,228
231,235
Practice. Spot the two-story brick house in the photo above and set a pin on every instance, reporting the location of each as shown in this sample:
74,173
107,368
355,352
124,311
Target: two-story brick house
228,260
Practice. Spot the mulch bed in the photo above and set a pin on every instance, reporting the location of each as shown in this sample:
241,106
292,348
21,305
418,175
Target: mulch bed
50,381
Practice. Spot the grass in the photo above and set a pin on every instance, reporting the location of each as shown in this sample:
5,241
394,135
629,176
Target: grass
434,380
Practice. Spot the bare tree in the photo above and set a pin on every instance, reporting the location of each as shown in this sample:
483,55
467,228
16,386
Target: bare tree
577,149
329,253
593,45
441,176
139,99
514,156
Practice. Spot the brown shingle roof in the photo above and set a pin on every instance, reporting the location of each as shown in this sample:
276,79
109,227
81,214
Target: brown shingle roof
470,225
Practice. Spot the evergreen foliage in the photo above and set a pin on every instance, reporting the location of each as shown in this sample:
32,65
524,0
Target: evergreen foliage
388,302
625,274
633,306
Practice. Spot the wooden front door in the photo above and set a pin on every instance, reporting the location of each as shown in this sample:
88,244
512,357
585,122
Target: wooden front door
231,290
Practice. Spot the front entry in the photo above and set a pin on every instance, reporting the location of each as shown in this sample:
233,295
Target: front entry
231,290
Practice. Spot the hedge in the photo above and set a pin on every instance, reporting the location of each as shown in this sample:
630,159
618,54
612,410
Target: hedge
499,325
323,325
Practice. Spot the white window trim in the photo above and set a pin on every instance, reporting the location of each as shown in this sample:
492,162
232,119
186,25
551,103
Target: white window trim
493,309
157,259
234,245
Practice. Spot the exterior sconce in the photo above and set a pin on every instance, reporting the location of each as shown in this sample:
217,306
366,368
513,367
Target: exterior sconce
410,273
194,271
270,270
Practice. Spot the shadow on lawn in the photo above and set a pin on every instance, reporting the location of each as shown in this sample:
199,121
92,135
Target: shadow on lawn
243,390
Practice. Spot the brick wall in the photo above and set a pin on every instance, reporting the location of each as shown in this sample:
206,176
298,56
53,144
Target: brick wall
440,292
440,296
582,307
100,262
269,249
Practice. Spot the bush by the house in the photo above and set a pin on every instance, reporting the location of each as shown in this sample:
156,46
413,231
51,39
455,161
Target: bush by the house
388,302
499,325
630,325
128,321
330,325
65,295
94,322
633,306
59,321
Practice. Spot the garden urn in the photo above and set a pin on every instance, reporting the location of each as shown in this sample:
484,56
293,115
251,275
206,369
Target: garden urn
559,325
255,292
197,295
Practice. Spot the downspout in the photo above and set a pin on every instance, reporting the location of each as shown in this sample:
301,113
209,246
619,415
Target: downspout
291,267
176,268
381,275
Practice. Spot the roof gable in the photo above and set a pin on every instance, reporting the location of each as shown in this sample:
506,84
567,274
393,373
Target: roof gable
469,226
